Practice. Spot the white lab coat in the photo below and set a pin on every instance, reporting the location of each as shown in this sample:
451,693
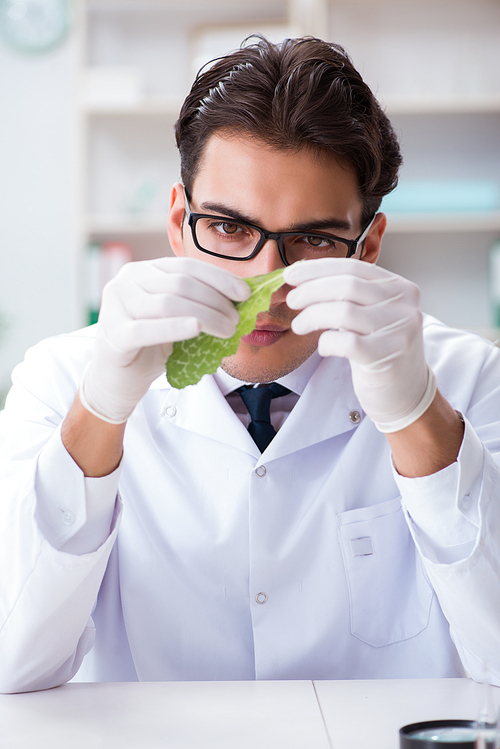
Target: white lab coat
325,565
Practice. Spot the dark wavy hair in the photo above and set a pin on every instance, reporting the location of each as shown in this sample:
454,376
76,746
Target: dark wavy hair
302,93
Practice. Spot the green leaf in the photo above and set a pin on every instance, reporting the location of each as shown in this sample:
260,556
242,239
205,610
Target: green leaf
191,359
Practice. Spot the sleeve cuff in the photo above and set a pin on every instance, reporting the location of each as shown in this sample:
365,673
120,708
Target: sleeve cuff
443,508
73,512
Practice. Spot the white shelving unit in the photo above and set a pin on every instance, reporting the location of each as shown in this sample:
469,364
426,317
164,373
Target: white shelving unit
128,155
470,128
435,66
446,253
445,108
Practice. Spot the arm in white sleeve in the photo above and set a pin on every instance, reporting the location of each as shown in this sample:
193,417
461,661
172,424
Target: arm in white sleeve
78,523
57,528
443,508
454,518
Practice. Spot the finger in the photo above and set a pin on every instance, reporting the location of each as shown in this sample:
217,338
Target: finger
350,316
138,334
224,319
222,280
341,288
180,296
331,315
364,350
306,270
209,320
343,343
374,349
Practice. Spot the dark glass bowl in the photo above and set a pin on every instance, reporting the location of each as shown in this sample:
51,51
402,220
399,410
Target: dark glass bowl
418,735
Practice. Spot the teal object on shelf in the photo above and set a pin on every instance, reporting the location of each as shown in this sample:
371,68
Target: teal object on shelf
443,196
494,282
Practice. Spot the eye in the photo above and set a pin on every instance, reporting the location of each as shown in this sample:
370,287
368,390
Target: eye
310,240
230,228
224,227
315,241
316,245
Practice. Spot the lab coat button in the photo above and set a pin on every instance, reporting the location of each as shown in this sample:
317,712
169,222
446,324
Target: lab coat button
261,471
170,411
261,597
68,517
355,417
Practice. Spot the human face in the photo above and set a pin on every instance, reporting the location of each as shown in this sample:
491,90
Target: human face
278,190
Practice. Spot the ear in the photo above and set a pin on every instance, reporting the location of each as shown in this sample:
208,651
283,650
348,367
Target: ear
175,221
371,246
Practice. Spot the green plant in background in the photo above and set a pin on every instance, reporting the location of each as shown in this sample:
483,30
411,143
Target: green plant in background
191,359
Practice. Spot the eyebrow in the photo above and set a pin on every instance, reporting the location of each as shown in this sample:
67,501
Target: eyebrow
320,225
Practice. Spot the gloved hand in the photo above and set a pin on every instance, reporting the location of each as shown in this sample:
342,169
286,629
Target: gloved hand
145,308
373,318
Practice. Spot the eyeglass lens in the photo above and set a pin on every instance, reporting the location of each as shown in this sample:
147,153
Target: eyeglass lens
240,240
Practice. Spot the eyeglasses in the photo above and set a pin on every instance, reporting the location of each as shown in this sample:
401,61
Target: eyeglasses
237,240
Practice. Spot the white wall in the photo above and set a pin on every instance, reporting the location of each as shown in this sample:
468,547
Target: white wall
37,199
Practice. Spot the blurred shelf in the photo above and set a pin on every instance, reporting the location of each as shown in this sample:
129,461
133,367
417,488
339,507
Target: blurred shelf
155,105
446,105
396,223
119,6
402,223
124,225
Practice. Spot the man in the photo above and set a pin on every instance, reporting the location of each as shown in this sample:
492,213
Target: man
145,533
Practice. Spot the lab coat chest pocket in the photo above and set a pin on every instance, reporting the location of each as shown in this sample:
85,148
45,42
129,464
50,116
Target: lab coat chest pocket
389,595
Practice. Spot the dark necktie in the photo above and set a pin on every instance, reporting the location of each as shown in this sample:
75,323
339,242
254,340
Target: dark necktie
258,402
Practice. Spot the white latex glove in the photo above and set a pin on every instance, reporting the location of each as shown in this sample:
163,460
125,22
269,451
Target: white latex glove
373,318
145,308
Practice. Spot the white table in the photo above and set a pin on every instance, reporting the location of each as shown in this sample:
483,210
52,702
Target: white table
240,715
150,715
355,710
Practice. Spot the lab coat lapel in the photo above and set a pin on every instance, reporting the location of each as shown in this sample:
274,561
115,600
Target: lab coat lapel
327,407
323,411
204,410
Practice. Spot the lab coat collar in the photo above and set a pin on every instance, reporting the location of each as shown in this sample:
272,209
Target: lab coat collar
325,409
322,412
203,409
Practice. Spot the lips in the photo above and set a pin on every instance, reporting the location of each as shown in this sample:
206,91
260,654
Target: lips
264,334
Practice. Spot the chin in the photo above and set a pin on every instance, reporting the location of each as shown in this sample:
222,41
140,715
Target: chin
250,368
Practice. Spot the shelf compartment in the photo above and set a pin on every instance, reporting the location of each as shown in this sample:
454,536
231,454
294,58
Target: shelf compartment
123,225
403,223
164,106
395,105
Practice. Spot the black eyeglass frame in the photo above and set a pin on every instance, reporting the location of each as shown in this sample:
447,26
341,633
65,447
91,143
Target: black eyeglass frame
192,218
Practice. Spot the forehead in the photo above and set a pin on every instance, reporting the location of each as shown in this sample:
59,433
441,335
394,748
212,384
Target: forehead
277,187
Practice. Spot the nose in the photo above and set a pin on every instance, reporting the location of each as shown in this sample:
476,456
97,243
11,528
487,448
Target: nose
267,260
